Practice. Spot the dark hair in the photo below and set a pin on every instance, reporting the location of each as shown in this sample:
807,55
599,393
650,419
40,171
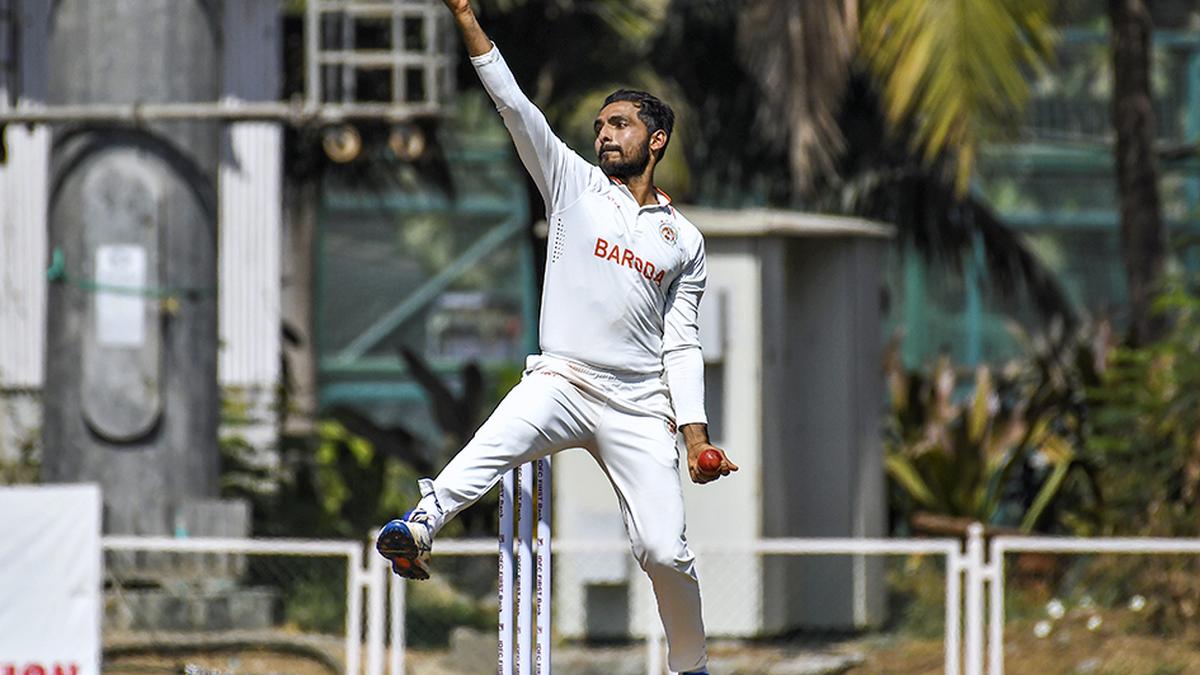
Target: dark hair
651,111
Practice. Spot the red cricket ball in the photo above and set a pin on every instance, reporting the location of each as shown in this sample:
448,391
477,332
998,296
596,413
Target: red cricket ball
709,461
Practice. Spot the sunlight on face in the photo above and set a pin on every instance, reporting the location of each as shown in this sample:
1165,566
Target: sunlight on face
622,140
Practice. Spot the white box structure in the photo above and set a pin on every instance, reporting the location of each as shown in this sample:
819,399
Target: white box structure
790,325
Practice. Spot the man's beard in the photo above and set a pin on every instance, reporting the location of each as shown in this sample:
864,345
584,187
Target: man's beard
623,167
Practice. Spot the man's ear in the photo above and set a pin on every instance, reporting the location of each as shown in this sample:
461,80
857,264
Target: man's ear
658,140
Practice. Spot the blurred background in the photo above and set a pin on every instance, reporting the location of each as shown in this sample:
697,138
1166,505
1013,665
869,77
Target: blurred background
264,263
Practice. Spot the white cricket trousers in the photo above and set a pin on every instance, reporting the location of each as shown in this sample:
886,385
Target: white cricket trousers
625,423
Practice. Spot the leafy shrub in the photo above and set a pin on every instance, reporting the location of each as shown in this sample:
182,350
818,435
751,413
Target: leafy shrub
1004,454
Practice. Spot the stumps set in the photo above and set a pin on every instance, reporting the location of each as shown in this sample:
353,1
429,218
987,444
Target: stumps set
524,581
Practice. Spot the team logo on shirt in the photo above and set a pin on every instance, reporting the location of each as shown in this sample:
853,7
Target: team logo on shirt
668,232
627,258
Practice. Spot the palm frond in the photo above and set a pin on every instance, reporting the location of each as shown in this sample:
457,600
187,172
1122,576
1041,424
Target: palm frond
880,178
955,70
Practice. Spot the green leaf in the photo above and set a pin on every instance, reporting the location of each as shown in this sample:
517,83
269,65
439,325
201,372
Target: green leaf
1045,497
904,473
955,70
979,419
362,450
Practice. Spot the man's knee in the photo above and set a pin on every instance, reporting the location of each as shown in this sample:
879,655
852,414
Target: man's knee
673,555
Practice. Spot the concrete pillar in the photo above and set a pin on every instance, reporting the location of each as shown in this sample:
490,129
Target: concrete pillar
131,377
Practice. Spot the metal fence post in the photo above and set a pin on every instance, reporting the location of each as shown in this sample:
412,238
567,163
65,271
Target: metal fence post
955,567
996,618
398,599
974,620
354,598
376,582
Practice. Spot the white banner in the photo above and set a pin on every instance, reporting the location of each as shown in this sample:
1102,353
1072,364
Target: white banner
50,580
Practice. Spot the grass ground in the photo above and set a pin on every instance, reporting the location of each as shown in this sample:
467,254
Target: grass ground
1070,649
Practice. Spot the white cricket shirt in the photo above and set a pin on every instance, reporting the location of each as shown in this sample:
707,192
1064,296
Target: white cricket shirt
623,281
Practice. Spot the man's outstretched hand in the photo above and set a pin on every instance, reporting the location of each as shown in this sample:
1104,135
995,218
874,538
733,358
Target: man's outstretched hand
475,40
457,6
702,477
695,437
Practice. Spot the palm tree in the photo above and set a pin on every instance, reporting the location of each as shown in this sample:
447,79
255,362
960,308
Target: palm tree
1143,234
881,118
800,53
955,70
947,76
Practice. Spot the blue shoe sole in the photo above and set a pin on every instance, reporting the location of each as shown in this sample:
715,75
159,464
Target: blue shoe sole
396,543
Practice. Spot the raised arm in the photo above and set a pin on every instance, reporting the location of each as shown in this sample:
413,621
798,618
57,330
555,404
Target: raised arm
560,174
476,40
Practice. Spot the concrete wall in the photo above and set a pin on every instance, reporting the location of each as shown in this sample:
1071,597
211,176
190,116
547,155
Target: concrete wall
23,198
130,394
731,508
249,258
250,187
822,427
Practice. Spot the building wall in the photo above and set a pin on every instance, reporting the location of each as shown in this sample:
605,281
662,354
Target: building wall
823,447
730,510
250,187
23,254
23,199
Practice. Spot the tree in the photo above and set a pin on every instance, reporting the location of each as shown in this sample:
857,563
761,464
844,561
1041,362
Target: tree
891,136
954,70
800,54
1143,234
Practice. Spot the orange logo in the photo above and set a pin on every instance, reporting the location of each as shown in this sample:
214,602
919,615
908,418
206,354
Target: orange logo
667,232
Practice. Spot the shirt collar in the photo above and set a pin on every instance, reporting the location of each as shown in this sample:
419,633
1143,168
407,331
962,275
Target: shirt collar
664,199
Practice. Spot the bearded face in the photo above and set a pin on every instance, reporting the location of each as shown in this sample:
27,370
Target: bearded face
622,141
623,162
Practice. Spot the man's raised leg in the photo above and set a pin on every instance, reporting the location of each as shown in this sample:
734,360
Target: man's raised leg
544,413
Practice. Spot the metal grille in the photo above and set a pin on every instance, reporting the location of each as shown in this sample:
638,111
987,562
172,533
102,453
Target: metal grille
221,604
1072,101
379,52
363,59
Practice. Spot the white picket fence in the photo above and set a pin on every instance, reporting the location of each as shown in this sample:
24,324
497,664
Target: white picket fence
974,583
